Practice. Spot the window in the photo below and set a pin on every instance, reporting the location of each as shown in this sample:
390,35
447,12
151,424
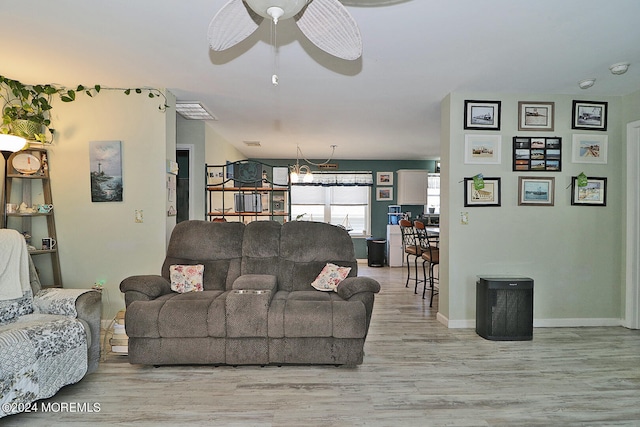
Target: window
433,192
339,205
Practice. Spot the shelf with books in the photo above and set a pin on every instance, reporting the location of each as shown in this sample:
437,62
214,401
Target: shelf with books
247,191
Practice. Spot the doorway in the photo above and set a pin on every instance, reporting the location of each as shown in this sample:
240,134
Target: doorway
184,187
632,297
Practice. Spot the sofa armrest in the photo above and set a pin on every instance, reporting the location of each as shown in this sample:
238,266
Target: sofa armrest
83,304
144,287
59,301
89,308
354,285
256,282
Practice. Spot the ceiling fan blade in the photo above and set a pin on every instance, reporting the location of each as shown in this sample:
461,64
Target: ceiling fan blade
233,23
371,3
330,26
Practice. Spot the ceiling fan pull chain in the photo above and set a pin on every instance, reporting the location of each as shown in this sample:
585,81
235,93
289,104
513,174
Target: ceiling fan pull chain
275,13
274,78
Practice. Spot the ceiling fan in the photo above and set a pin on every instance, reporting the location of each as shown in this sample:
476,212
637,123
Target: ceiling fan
326,23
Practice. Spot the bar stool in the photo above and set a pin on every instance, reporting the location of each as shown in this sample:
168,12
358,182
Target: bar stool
430,254
411,248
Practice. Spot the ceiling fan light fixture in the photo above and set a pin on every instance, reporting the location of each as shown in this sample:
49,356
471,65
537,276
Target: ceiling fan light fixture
275,13
586,83
288,8
619,68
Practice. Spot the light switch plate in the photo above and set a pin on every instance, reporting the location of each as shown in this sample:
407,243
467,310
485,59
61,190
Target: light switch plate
464,218
138,216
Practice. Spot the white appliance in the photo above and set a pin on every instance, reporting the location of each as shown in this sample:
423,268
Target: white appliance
395,252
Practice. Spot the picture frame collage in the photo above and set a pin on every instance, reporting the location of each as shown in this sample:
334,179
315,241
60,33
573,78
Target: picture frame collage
536,154
384,186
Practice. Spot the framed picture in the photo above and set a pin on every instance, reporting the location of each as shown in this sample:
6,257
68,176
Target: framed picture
589,149
482,115
105,159
384,193
482,149
535,116
533,191
589,115
280,176
487,196
384,178
594,194
537,154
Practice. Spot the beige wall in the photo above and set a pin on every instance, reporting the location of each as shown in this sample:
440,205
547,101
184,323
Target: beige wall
219,150
208,145
101,241
573,253
190,133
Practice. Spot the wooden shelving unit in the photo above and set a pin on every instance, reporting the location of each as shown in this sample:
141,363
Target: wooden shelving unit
245,191
38,172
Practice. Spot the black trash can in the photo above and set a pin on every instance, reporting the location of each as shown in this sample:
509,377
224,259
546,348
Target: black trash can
376,252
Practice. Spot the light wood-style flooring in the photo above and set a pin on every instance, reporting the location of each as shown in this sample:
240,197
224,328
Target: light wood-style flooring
416,372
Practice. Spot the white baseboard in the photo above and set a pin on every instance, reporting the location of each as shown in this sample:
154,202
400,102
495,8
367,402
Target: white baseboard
575,323
455,324
537,323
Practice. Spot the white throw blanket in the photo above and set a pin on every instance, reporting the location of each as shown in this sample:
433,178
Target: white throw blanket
14,265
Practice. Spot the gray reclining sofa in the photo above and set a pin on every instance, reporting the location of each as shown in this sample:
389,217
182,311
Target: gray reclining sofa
258,305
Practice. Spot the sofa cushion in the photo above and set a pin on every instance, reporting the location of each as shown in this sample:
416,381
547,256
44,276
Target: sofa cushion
176,315
306,247
217,246
261,247
261,282
185,315
330,276
308,318
315,314
186,278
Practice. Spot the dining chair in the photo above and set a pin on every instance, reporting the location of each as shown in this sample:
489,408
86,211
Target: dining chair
430,253
411,248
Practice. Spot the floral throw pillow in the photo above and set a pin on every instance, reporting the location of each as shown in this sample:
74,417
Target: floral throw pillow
186,278
330,276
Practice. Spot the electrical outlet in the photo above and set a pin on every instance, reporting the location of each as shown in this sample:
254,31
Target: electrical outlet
138,216
464,218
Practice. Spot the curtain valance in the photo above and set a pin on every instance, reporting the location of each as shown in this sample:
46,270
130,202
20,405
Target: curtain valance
329,179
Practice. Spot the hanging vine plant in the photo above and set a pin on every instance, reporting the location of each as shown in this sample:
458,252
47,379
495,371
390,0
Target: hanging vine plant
27,108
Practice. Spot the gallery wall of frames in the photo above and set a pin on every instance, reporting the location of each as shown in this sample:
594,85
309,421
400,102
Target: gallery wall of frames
541,156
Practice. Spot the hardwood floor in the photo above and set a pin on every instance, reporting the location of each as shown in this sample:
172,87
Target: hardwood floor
416,372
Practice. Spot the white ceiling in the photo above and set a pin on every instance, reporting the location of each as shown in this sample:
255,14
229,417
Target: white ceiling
382,106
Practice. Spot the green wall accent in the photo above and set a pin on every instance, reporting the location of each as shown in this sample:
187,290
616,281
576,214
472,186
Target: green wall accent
380,209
